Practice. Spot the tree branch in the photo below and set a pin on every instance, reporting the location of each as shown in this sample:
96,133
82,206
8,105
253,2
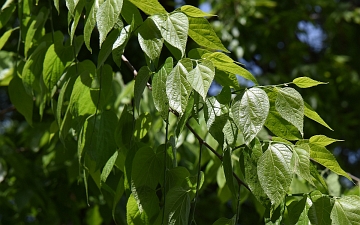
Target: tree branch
202,141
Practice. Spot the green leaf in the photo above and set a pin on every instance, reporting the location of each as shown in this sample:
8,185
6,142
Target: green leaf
184,119
173,28
108,167
81,102
201,31
306,82
193,11
77,15
319,212
250,112
142,206
142,126
71,5
226,64
248,164
274,172
318,179
278,125
107,16
141,80
57,58
228,171
196,53
321,155
177,208
34,29
6,11
230,132
33,69
322,140
161,100
176,176
150,39
5,37
98,137
300,162
346,210
131,14
201,77
178,89
226,79
107,47
149,7
225,221
297,212
120,43
90,23
146,159
57,7
290,106
310,113
20,99
224,97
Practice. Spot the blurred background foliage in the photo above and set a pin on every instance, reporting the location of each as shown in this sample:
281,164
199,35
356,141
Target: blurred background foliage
40,180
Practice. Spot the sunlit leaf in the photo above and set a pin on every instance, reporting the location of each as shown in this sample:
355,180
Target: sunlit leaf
201,77
140,84
310,113
173,28
90,23
322,140
178,89
201,31
346,211
193,11
149,7
250,112
107,16
120,43
290,106
177,207
274,172
108,167
161,101
306,82
300,162
150,39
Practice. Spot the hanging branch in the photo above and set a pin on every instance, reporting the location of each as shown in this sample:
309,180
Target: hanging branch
201,140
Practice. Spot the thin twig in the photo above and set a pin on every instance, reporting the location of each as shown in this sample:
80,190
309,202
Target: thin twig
4,111
134,71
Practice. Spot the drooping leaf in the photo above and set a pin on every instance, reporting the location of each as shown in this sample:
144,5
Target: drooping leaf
230,131
251,112
306,82
140,84
5,37
290,106
309,112
57,58
107,47
300,162
321,155
319,212
22,101
142,206
77,15
346,211
248,164
173,28
176,176
98,137
90,23
322,140
278,125
274,172
108,167
150,39
225,63
224,97
34,29
177,207
228,171
226,79
131,14
107,16
71,5
6,11
201,31
149,7
142,126
297,212
193,11
120,43
184,119
161,100
178,89
201,77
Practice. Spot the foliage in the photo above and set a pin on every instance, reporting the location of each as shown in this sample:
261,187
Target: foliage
149,149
